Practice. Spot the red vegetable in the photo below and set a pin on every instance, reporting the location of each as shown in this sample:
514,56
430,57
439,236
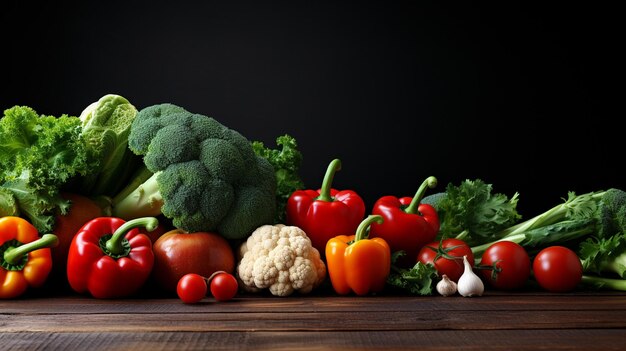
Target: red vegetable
191,288
557,269
447,257
109,258
177,253
325,213
510,265
224,286
408,225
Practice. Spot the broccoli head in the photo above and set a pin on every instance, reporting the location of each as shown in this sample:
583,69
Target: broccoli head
206,177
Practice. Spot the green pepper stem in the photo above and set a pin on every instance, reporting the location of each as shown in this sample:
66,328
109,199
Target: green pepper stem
14,255
430,182
361,230
114,245
333,167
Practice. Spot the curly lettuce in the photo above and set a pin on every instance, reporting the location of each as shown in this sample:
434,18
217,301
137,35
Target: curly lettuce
40,154
286,160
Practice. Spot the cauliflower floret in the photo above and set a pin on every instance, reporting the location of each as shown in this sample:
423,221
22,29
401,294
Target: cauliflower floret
280,258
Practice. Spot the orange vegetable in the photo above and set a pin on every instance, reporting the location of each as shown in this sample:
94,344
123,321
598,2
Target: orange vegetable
358,264
25,258
82,210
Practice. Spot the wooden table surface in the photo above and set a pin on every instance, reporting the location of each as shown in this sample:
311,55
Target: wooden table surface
503,321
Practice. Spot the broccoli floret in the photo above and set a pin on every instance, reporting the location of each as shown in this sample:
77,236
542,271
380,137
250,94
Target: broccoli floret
434,200
206,177
612,215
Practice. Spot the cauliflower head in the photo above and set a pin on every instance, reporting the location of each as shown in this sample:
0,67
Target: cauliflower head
280,258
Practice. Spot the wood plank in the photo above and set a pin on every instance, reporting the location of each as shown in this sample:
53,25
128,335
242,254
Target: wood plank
565,339
513,302
312,321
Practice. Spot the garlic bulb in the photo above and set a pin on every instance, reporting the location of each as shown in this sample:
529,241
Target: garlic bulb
446,287
470,284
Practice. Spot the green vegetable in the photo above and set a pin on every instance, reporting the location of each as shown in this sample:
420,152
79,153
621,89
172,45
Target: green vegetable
417,280
105,126
601,255
286,162
592,224
604,283
206,177
38,156
471,212
434,200
8,204
577,217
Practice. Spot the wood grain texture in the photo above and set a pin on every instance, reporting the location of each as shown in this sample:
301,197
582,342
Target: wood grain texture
564,339
500,321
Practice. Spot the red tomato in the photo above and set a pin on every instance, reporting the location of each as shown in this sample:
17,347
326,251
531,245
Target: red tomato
511,262
224,286
447,259
177,253
557,269
191,288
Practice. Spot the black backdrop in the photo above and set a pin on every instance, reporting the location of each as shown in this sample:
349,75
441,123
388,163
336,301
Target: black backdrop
518,95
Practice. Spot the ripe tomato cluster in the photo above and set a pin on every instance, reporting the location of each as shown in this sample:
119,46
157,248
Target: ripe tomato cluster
506,265
192,287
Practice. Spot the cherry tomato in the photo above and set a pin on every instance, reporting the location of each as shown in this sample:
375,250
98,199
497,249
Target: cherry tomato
447,257
177,253
511,262
191,288
557,269
223,286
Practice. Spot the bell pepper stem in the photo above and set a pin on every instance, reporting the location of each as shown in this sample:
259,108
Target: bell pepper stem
114,244
361,230
333,167
14,255
430,182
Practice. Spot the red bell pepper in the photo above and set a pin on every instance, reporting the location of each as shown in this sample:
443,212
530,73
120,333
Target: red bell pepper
110,258
327,212
408,225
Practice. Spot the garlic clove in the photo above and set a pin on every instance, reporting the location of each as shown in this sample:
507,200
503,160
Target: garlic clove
470,284
446,287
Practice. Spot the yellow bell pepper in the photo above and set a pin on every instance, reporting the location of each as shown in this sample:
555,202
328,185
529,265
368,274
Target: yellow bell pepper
25,258
358,264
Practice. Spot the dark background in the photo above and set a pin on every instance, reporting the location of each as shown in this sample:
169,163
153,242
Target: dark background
519,95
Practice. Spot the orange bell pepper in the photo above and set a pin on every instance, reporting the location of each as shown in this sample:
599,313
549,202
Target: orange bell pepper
358,264
25,258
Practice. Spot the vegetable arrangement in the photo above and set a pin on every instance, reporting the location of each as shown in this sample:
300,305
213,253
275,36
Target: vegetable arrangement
173,197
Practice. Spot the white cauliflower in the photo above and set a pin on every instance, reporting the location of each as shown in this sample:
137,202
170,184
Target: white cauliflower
280,258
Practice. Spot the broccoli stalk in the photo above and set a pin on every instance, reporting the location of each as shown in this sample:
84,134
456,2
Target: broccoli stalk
141,198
